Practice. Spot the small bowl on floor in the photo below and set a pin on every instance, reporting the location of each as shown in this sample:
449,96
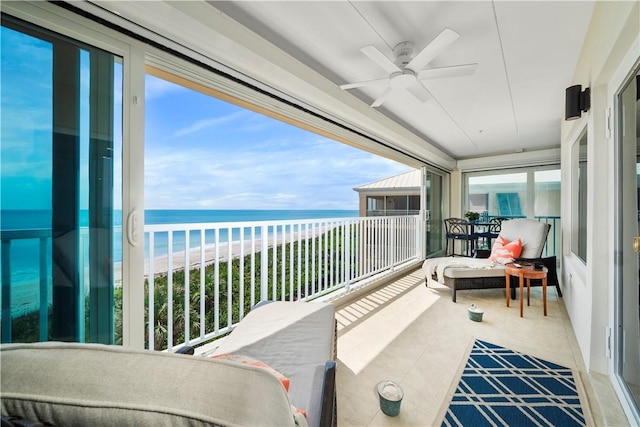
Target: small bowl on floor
475,313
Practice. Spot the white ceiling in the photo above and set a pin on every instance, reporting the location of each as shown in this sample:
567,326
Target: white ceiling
526,51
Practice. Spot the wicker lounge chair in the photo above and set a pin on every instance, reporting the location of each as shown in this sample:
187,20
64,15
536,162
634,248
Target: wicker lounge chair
458,277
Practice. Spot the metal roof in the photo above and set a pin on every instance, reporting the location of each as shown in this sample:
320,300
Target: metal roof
407,180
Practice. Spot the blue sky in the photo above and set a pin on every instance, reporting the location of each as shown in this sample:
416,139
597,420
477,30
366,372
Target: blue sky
200,152
216,155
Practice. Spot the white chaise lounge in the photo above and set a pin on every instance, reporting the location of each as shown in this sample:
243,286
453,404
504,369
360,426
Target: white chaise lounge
472,273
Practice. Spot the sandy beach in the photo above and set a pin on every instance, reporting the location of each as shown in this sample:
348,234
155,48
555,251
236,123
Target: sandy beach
161,263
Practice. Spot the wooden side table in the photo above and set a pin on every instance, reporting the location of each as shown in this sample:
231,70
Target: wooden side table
526,272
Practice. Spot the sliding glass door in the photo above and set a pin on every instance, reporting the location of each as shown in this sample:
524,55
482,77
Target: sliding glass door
627,349
435,220
60,223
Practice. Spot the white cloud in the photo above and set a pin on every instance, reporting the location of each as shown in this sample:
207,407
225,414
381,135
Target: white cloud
208,123
316,173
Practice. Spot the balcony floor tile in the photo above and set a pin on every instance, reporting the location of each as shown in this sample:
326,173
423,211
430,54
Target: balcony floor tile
417,337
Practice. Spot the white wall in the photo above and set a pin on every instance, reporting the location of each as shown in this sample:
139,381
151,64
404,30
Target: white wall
588,289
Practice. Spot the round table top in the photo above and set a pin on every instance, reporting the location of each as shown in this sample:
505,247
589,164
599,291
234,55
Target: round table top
526,270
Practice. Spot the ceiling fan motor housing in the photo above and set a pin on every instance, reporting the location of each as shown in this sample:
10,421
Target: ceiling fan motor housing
403,53
402,80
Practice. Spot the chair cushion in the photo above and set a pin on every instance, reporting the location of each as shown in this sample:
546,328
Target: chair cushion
92,384
532,233
474,273
279,334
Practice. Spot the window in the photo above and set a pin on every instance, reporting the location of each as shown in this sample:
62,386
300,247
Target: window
414,205
501,195
532,192
375,205
393,205
61,130
579,197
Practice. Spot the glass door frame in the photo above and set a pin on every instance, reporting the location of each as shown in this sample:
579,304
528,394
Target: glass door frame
58,20
627,70
436,199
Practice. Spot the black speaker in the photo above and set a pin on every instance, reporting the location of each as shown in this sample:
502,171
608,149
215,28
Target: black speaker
576,101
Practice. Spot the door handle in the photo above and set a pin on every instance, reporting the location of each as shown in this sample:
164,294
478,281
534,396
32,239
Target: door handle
133,227
636,244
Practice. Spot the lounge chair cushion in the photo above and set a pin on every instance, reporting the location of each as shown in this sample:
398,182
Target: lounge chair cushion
464,272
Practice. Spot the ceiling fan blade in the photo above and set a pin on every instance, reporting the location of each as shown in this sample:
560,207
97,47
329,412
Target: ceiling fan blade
453,71
379,58
365,83
433,49
379,100
420,92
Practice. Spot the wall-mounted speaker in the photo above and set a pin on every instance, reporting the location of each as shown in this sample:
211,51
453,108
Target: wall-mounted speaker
577,101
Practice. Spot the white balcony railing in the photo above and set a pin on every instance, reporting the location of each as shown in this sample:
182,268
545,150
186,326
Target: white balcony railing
278,260
231,267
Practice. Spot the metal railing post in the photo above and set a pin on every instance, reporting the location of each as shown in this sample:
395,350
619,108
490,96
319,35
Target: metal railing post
44,292
151,282
6,291
264,267
347,257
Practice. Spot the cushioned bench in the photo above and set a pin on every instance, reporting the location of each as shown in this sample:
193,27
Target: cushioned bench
91,384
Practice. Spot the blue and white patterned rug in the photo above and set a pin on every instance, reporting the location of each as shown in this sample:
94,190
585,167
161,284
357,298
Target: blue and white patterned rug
500,387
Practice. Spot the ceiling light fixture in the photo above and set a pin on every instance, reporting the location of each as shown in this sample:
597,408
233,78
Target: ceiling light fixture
576,102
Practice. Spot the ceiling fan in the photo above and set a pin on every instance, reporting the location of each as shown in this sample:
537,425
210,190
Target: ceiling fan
407,72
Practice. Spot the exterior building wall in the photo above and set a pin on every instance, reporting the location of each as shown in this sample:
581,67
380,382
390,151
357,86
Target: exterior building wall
362,205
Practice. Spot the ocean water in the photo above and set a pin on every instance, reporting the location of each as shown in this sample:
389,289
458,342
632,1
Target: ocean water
217,216
25,253
154,216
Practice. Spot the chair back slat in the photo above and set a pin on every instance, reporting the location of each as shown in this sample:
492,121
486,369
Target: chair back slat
462,230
